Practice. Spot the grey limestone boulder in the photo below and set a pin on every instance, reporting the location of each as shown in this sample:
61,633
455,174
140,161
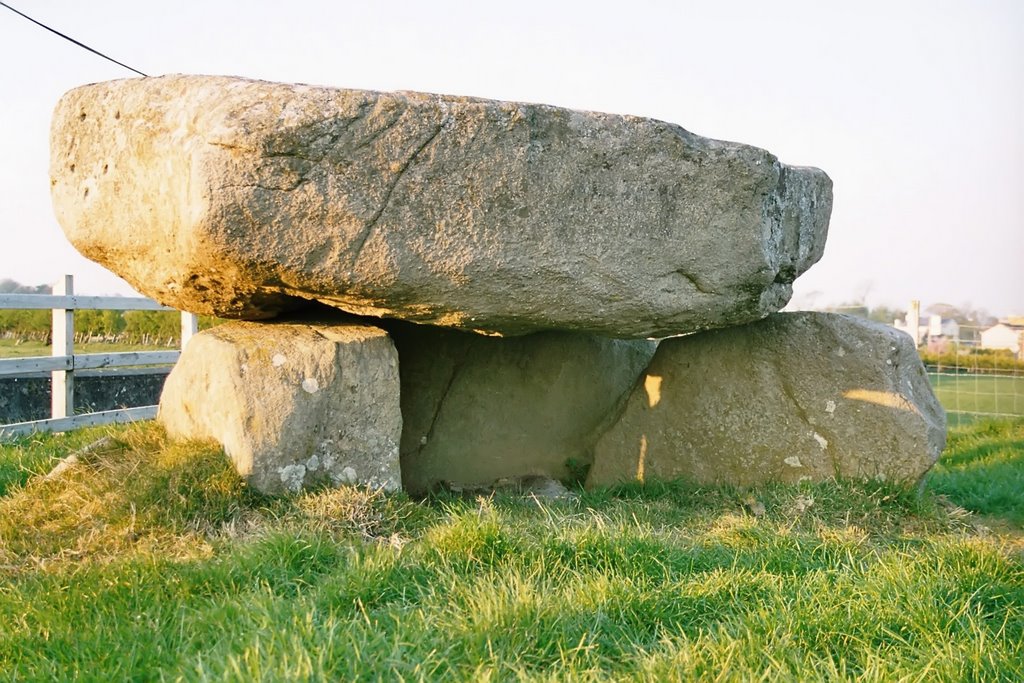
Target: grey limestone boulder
798,396
294,404
243,198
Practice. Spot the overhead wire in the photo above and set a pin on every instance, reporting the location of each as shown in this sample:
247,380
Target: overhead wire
70,39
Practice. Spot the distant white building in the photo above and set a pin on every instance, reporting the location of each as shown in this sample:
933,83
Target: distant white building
1003,335
943,327
937,331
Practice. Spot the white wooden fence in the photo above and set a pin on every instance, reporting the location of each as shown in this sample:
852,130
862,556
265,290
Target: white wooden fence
63,361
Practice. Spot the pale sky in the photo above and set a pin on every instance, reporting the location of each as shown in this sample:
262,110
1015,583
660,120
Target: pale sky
914,108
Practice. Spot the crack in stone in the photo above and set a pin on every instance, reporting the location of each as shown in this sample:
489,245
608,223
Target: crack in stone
228,145
787,390
367,231
293,154
283,188
456,368
617,411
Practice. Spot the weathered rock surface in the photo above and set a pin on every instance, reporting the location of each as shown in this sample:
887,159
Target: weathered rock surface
796,396
478,410
242,198
293,404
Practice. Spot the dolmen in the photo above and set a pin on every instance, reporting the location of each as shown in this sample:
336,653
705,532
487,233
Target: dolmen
431,291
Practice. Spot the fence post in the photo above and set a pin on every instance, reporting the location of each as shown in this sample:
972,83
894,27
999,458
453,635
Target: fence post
62,382
189,326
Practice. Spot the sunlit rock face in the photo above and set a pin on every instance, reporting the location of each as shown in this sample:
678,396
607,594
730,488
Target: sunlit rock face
294,404
795,397
244,199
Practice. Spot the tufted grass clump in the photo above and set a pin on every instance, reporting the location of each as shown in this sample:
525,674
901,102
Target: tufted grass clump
152,561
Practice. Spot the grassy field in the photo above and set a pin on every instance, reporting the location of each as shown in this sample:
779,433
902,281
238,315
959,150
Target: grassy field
967,396
983,470
152,561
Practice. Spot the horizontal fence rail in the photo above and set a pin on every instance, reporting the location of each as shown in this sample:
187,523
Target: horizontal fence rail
63,361
36,302
64,424
85,361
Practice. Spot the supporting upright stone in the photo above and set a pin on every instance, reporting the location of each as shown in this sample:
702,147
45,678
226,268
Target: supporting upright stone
295,404
481,409
798,396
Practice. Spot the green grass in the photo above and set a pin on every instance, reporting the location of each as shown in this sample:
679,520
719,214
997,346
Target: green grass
152,561
968,397
35,455
983,470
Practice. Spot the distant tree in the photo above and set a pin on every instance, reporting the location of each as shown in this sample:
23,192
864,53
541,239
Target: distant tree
20,323
972,320
9,286
87,323
25,324
99,323
152,326
113,323
855,308
208,321
945,310
965,314
884,314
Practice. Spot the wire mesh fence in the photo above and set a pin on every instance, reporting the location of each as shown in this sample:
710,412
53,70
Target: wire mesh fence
974,383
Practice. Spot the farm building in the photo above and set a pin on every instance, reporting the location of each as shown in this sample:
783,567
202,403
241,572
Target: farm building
1003,335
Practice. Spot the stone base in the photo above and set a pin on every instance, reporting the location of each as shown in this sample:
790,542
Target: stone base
481,409
295,404
795,397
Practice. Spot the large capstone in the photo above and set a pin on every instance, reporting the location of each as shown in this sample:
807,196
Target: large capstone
795,397
478,410
294,404
243,198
